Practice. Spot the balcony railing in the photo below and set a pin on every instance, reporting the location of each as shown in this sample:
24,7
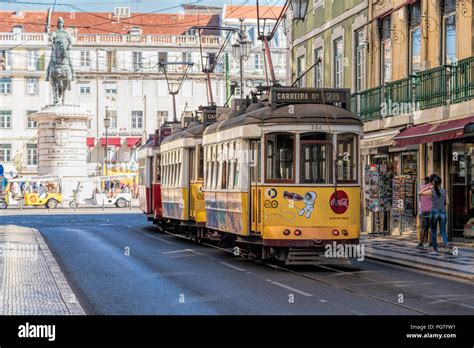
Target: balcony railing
114,39
427,89
463,81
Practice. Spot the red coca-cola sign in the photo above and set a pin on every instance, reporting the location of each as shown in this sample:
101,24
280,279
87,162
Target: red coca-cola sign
339,202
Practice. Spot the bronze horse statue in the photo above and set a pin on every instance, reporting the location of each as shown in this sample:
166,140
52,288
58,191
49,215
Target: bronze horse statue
60,73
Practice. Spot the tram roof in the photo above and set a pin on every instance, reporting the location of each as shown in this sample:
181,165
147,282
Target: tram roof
302,114
194,129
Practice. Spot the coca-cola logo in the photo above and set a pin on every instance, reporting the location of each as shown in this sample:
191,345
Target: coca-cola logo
339,202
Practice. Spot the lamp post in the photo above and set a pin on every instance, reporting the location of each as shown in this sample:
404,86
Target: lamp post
106,125
241,50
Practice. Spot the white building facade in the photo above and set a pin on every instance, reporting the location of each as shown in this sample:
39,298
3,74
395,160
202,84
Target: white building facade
115,71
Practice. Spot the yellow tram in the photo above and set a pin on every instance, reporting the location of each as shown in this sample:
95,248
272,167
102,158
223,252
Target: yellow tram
182,177
284,177
279,179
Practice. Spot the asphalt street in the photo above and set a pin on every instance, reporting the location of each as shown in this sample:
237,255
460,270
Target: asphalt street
121,264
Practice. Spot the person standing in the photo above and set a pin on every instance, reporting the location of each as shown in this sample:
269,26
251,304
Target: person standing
426,203
438,212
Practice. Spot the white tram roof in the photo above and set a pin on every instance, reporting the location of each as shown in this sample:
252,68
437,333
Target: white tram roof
259,115
188,137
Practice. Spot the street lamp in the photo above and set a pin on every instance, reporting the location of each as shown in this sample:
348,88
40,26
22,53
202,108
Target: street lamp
299,8
241,50
106,125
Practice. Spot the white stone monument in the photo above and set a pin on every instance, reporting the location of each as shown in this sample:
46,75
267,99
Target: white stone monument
62,147
62,134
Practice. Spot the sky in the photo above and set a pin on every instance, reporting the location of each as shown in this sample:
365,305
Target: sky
108,5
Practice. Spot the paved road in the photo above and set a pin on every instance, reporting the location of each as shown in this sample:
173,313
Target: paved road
119,264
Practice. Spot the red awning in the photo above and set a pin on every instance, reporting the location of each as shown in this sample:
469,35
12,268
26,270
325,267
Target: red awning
112,142
131,142
432,132
90,142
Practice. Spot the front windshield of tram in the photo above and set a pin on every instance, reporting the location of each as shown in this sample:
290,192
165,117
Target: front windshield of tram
315,158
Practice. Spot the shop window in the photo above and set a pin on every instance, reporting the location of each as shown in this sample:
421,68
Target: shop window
316,158
346,158
279,154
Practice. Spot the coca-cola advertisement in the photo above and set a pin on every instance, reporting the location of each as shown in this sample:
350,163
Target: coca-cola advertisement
339,202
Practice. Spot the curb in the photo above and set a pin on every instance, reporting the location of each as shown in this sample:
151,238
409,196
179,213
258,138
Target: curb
66,292
423,267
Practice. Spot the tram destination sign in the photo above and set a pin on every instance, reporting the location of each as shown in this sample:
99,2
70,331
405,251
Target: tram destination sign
332,96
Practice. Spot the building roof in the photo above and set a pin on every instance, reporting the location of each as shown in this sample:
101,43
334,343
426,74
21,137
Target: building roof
106,23
250,12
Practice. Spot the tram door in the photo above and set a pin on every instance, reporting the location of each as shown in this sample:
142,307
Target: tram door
256,190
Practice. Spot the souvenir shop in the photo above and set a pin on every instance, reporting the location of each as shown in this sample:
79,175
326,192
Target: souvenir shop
389,186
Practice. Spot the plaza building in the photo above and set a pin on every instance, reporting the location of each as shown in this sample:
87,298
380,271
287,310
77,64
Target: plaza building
116,59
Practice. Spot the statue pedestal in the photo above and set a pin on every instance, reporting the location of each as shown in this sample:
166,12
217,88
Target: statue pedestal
62,146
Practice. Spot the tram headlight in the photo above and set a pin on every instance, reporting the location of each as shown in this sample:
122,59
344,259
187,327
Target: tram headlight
298,233
286,232
345,232
335,232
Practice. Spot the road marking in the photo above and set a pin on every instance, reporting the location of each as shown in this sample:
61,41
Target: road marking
232,266
177,251
161,239
292,289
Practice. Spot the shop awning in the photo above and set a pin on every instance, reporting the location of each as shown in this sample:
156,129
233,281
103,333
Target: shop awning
131,142
433,132
377,139
112,141
90,142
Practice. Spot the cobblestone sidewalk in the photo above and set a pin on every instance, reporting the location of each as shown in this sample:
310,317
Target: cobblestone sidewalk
405,253
31,282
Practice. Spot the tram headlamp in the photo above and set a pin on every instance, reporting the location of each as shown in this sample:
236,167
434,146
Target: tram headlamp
335,233
298,232
345,232
286,232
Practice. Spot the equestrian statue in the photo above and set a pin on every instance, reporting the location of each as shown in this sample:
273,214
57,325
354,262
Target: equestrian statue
60,71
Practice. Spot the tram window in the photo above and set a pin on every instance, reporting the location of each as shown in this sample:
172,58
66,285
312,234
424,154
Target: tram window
178,174
279,154
236,174
316,158
192,169
214,174
158,169
200,164
346,158
224,175
230,174
209,174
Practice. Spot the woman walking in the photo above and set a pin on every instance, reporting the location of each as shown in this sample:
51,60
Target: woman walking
438,211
